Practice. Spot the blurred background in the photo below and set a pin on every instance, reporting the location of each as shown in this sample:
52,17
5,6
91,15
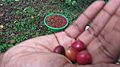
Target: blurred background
23,19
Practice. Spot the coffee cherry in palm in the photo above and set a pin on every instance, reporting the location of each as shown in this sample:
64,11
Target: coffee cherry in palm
71,54
83,58
79,45
59,49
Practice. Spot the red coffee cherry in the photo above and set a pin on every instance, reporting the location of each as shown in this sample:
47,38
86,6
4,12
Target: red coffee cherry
71,54
59,49
79,45
84,57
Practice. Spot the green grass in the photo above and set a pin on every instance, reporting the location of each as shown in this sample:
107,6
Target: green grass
23,19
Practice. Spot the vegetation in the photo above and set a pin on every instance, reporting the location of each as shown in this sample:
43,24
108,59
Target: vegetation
23,19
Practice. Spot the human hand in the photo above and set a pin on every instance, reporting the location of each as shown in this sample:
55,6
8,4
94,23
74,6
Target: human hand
104,49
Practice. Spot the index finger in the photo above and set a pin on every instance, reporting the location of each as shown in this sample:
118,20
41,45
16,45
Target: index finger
78,26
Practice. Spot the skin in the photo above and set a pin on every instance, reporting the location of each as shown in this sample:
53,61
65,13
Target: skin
102,40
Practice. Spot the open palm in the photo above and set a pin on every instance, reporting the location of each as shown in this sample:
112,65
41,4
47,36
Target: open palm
102,40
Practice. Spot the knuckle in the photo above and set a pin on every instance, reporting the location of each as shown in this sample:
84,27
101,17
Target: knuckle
92,31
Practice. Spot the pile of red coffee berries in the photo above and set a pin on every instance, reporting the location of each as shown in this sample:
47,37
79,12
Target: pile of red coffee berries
56,21
76,53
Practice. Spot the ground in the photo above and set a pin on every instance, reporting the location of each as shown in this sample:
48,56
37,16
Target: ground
23,19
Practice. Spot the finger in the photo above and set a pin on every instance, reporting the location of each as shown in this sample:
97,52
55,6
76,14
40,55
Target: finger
100,21
107,47
63,39
79,25
113,26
